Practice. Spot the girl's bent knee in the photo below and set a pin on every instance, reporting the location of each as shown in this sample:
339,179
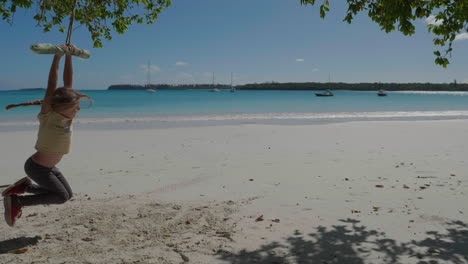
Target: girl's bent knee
62,198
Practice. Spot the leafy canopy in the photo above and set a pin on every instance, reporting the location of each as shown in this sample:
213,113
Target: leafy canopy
99,16
450,18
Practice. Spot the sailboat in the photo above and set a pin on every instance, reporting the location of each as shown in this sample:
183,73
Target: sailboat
327,92
381,93
232,87
213,85
148,79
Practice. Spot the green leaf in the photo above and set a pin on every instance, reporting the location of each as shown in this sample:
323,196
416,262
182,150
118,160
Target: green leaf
444,62
348,18
97,44
323,10
419,12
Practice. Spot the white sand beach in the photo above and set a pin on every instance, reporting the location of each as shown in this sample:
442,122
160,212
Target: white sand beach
356,192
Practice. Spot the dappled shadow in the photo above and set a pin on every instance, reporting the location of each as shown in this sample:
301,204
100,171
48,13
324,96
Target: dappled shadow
17,243
449,247
353,243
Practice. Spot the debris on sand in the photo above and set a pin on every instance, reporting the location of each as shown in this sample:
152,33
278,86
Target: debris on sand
259,219
18,251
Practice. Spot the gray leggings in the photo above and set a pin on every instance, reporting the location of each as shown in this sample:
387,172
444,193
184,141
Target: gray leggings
51,187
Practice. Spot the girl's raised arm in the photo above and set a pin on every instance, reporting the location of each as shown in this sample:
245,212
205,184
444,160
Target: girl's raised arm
51,84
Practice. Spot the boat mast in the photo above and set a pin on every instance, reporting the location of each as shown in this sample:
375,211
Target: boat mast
148,75
231,80
213,81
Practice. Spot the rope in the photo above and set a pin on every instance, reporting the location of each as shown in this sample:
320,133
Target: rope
70,26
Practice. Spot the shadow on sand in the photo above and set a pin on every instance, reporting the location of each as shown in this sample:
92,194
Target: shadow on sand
352,243
17,243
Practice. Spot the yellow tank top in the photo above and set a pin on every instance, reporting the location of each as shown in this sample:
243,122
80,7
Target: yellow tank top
55,131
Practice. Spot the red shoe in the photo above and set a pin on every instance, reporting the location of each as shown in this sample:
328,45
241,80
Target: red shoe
18,187
12,209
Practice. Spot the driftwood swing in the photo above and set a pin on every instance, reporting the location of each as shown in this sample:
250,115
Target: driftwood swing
47,48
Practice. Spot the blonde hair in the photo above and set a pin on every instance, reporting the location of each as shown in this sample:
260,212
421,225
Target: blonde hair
62,99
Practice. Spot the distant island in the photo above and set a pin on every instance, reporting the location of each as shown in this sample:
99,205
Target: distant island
166,87
308,86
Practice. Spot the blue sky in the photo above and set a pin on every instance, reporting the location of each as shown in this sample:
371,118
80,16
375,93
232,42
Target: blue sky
259,41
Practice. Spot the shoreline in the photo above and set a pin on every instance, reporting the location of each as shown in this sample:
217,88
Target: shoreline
200,120
331,192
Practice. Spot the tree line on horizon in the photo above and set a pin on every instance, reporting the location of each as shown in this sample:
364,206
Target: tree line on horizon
305,86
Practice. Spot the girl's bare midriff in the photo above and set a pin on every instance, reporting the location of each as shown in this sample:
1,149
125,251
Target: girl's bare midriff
46,159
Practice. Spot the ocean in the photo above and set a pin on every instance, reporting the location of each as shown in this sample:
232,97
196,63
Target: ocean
166,108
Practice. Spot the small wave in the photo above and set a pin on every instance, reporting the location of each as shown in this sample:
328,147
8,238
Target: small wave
394,115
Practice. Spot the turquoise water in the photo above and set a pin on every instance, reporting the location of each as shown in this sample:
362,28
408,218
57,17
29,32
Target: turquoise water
251,106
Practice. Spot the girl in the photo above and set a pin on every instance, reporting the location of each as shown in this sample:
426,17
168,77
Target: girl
59,107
